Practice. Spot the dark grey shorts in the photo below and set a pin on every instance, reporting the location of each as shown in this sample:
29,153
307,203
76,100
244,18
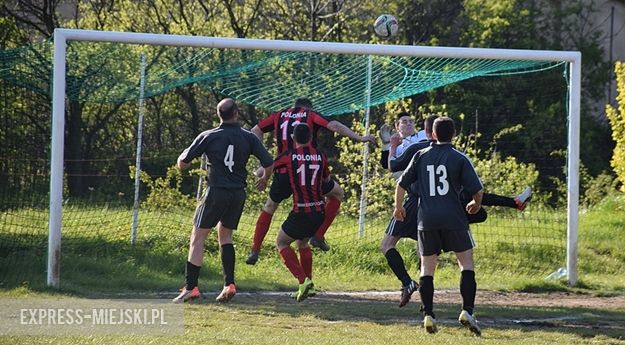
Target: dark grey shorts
223,205
434,242
407,228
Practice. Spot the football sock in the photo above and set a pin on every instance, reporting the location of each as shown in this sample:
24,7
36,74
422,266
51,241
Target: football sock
192,273
426,290
290,261
306,260
332,208
261,230
468,288
227,263
498,200
396,263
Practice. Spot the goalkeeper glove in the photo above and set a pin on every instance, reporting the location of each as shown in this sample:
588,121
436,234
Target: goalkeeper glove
385,135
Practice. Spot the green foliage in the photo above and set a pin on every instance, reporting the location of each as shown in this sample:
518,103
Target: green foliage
617,121
165,192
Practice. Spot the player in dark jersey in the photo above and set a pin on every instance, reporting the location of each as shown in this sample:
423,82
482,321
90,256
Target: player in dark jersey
441,173
281,124
227,149
307,170
408,229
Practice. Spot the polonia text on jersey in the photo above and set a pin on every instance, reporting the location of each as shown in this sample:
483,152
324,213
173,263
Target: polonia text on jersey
304,157
293,115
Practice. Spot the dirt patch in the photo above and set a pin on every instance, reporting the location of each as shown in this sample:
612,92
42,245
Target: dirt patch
548,299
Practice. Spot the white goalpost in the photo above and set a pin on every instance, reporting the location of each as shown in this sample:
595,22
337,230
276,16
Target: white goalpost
62,36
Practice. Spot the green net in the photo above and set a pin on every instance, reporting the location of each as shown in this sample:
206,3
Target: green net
109,73
505,111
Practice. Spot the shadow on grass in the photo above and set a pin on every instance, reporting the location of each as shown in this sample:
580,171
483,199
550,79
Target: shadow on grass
583,322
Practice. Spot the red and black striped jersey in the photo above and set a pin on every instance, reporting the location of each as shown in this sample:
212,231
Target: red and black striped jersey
283,122
307,168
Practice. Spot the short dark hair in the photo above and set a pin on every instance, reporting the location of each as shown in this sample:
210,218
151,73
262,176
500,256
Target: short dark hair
428,124
444,129
402,114
303,102
301,133
226,109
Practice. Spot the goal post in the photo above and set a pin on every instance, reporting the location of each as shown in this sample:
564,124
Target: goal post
62,36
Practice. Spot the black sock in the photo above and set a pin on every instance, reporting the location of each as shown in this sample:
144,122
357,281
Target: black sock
497,200
396,263
426,290
227,263
192,273
468,288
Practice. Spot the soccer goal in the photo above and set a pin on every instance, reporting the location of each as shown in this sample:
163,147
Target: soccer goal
382,73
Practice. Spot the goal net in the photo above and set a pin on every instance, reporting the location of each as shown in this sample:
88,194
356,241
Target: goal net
78,190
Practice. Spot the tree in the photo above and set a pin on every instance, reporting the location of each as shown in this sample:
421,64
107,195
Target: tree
617,121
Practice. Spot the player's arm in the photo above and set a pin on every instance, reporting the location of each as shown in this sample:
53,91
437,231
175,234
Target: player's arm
401,163
257,132
266,162
474,205
190,153
407,178
473,185
343,130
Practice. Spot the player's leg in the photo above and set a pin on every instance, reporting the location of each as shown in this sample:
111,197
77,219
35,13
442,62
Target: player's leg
262,228
430,245
462,244
334,195
289,258
394,232
204,218
306,261
228,222
519,202
278,191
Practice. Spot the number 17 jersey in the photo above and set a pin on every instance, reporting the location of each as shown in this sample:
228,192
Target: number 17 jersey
307,168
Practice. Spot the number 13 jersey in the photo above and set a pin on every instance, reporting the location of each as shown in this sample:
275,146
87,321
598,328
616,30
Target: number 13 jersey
441,172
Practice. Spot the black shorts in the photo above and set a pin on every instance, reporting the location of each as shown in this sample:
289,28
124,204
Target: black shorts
281,187
302,225
223,205
407,228
437,241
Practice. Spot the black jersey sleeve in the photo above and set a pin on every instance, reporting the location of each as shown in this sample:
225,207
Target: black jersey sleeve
260,152
470,181
196,149
410,175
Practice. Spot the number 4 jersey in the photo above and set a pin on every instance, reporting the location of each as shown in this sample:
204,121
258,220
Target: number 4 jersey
441,172
227,149
307,168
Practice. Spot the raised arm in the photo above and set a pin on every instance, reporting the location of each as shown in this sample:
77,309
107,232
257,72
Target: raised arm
341,129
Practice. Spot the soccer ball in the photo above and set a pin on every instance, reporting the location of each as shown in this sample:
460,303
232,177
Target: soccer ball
386,26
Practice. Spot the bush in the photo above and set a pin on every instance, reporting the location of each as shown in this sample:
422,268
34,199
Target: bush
617,122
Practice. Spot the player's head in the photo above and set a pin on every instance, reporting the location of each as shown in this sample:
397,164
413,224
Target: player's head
227,110
444,129
301,134
428,125
303,102
404,124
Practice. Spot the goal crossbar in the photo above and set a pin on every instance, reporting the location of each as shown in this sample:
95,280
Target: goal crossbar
62,36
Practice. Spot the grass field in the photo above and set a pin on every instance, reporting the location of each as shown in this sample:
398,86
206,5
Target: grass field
515,252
